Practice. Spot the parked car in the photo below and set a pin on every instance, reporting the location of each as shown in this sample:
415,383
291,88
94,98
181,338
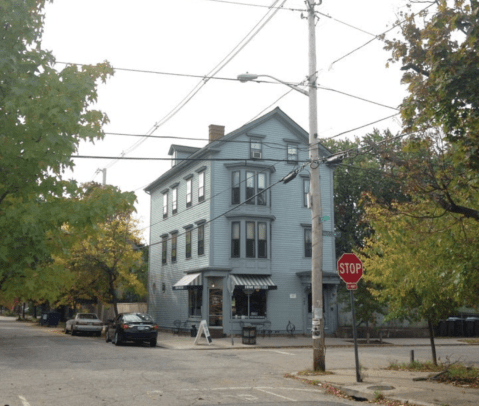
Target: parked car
137,327
84,323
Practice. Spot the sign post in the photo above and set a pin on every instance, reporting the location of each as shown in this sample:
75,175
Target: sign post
350,270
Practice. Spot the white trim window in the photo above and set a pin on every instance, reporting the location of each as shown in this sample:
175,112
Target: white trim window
235,239
308,243
250,187
261,198
201,187
250,239
256,149
174,201
292,153
306,195
189,184
262,240
235,187
165,205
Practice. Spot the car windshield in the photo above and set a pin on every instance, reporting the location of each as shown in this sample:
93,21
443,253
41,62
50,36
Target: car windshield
88,316
137,318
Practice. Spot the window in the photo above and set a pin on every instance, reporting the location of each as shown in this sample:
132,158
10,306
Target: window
235,187
188,192
174,200
308,247
292,153
262,241
201,187
174,240
164,249
261,187
254,301
201,240
250,188
306,196
163,287
250,239
195,298
165,205
188,244
255,149
235,239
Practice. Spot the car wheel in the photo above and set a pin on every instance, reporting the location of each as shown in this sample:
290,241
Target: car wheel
153,342
107,339
117,339
74,333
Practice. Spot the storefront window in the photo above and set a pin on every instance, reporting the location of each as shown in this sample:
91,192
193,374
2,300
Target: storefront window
195,298
257,304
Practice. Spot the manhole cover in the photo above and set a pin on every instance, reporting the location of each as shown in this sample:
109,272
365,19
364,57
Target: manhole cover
381,388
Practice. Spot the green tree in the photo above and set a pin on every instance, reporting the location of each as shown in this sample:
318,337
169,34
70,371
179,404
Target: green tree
418,263
439,54
105,261
355,177
44,115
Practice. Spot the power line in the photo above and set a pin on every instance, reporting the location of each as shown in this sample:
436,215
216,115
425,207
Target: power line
378,36
357,97
347,24
237,3
245,41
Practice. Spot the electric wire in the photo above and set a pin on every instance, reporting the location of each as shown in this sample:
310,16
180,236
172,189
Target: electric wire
378,36
245,41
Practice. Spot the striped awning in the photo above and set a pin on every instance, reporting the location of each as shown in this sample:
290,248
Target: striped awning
253,282
190,281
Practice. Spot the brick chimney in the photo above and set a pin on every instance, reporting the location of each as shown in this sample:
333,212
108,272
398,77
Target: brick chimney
216,132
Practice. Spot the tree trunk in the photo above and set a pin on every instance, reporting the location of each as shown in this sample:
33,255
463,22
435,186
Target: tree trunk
433,346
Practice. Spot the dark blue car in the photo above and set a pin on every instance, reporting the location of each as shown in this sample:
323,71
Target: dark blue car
136,327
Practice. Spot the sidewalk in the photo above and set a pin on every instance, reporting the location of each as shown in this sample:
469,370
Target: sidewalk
184,342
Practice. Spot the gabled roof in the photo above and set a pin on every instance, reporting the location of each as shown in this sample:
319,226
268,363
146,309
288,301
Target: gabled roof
212,147
182,148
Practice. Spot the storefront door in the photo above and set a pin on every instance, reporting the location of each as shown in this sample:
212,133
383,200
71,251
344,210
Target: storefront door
216,307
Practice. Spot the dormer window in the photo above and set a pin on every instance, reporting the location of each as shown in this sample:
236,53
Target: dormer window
256,149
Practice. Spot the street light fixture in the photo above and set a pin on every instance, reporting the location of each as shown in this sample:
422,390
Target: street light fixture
319,352
248,77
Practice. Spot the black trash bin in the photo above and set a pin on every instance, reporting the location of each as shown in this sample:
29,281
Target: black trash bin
450,326
249,335
459,327
472,326
193,331
442,328
50,319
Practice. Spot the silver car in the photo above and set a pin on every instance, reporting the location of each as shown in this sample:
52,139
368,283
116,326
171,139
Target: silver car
84,323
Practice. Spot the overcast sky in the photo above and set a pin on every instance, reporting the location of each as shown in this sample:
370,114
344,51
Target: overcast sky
191,37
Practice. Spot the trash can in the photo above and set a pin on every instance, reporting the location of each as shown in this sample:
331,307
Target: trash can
193,331
459,327
50,319
249,335
450,326
471,329
442,328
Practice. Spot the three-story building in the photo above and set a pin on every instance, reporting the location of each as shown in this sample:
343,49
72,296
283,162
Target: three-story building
226,245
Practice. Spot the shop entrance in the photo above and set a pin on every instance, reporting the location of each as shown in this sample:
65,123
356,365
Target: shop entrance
215,307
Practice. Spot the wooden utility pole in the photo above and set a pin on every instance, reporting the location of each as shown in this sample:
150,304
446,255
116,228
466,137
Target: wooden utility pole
319,351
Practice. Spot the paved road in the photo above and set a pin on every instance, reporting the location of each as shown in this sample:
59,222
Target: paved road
39,366
42,366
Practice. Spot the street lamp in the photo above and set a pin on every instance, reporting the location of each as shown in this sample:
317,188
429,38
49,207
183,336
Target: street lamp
248,77
319,353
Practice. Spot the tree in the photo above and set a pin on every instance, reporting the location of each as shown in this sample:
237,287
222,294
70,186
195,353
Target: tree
106,260
418,263
439,54
352,179
44,115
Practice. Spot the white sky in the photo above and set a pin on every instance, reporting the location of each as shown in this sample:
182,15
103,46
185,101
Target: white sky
192,37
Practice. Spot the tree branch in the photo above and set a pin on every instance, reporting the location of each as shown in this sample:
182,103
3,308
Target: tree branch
416,68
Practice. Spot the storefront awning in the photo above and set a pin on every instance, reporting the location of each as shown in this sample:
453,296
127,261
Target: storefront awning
252,282
190,281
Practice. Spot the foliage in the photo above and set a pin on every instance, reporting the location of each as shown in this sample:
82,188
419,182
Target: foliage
106,260
425,265
44,115
439,54
354,177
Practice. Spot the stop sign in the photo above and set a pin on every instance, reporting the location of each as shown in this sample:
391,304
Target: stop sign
350,268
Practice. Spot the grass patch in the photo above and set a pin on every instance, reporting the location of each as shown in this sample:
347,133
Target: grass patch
470,340
310,372
416,366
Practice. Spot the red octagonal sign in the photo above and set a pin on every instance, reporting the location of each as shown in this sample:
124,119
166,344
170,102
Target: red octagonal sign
350,269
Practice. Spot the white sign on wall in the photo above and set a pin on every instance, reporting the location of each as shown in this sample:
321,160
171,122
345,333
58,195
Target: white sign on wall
203,329
292,295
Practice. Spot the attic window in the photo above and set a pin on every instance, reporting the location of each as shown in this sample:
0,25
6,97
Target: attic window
292,153
256,149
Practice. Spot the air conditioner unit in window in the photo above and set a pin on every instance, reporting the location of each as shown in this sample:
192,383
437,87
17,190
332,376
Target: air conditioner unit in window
256,154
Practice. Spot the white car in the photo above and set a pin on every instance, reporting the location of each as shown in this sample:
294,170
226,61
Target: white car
84,323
